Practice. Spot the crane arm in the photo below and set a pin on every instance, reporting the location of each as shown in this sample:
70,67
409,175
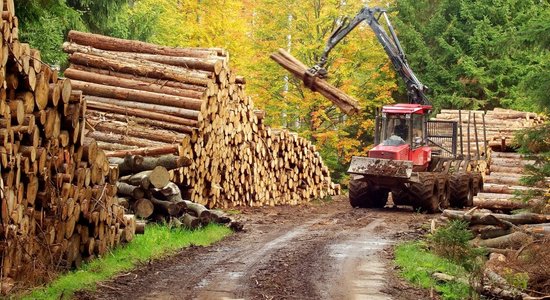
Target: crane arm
415,89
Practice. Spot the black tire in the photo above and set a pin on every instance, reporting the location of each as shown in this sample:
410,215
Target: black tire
461,185
361,195
444,194
477,183
426,193
400,197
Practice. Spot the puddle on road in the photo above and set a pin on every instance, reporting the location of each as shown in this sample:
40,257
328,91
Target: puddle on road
358,248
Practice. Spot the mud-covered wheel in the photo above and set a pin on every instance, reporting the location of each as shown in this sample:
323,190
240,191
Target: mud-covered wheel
462,193
444,194
361,195
477,183
400,197
426,193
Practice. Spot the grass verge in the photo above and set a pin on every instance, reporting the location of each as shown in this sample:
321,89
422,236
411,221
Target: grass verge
417,264
158,241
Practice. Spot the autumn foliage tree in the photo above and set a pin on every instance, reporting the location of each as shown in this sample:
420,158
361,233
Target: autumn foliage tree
358,66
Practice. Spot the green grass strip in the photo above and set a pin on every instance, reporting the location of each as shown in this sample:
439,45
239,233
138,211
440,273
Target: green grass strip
158,241
417,264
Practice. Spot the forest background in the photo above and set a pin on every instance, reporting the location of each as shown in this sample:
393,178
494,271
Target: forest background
474,54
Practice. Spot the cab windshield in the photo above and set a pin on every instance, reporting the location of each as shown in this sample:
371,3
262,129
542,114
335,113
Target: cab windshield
396,131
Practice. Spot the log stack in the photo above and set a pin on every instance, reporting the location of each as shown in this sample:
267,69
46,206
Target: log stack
148,100
500,124
57,196
503,189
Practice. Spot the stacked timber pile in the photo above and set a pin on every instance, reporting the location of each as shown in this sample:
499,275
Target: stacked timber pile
145,189
149,100
517,243
56,187
500,127
503,188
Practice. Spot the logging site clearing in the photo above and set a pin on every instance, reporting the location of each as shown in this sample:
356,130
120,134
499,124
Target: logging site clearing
148,171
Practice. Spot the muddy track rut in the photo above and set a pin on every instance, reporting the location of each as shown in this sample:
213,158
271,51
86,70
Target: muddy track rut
327,251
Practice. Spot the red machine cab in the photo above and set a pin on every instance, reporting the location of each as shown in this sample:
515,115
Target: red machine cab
403,135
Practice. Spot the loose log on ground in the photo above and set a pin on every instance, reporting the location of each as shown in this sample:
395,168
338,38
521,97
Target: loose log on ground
143,208
481,218
190,221
505,204
166,207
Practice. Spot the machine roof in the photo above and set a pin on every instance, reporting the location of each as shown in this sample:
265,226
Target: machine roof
402,108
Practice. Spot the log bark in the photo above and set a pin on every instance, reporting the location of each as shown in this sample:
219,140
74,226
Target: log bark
143,208
137,163
346,103
190,222
149,151
136,131
94,77
189,114
115,44
137,68
193,90
142,113
158,177
505,204
481,218
128,94
166,208
141,121
514,241
121,139
133,191
205,64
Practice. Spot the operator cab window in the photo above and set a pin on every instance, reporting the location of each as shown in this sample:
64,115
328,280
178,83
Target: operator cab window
418,130
396,130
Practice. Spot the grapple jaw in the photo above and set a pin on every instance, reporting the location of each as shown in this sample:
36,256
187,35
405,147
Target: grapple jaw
380,167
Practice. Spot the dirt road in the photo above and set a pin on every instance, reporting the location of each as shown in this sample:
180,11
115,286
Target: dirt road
319,251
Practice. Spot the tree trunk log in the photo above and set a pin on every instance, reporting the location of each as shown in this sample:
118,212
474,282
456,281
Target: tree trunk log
340,99
150,151
141,69
131,84
137,131
188,114
142,113
504,204
166,208
116,44
158,177
205,64
514,240
92,114
121,93
481,218
193,90
191,222
135,163
143,208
